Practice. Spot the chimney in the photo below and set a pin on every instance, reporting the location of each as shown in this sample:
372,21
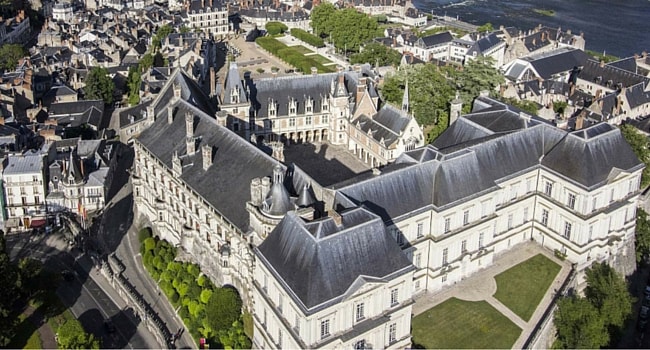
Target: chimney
265,187
357,68
619,103
177,91
189,125
180,41
314,71
2,120
602,63
206,153
83,169
170,114
341,79
213,82
361,88
568,32
580,122
339,69
336,217
256,189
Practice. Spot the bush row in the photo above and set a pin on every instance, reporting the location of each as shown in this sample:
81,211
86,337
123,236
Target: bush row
275,28
291,56
307,37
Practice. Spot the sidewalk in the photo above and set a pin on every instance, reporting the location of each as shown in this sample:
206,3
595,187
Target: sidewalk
482,286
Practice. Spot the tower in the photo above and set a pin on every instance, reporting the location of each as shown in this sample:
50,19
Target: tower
456,109
405,98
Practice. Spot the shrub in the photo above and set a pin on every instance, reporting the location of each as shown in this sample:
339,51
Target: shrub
307,37
143,234
260,70
559,254
275,28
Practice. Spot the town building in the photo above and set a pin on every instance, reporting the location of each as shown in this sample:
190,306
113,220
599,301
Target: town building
211,16
25,190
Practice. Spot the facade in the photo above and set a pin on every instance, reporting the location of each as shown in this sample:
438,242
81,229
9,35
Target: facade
62,11
437,214
25,190
211,16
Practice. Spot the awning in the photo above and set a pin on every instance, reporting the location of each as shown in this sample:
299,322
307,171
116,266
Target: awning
37,223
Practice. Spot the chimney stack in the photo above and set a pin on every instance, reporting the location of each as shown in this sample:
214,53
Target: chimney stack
177,92
170,114
336,217
213,82
206,152
189,125
314,71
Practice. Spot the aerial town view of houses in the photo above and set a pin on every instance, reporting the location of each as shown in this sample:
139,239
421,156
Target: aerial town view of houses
349,174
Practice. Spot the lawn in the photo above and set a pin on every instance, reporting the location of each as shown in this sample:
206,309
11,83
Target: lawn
303,50
320,59
522,287
458,324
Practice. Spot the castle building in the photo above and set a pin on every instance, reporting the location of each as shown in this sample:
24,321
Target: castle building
211,16
338,266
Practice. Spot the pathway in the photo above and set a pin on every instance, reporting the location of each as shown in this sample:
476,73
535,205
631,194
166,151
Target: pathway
44,330
482,286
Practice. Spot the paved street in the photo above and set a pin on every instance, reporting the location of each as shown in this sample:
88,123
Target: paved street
88,296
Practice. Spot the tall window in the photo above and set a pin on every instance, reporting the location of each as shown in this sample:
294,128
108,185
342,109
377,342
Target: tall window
308,120
591,232
594,203
279,338
567,230
392,333
466,217
447,225
360,345
324,119
544,217
420,230
548,188
463,246
509,221
394,296
571,201
480,240
611,195
324,329
418,260
445,253
359,313
292,121
526,214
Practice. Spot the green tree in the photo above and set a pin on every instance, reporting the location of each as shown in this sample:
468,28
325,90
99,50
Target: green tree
365,28
223,308
99,86
322,19
133,84
275,28
639,144
477,75
184,29
608,292
377,54
10,54
161,34
73,336
10,282
529,107
642,234
146,62
30,269
560,107
487,27
579,325
235,338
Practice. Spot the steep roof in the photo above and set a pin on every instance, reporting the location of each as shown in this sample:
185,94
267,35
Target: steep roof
320,260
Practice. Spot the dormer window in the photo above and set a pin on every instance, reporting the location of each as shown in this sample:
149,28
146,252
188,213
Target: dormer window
325,106
234,96
293,106
309,105
272,109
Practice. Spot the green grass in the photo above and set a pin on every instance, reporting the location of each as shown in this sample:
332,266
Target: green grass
523,286
320,59
27,336
303,50
293,55
544,12
458,324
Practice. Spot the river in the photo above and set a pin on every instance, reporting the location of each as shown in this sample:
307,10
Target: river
618,27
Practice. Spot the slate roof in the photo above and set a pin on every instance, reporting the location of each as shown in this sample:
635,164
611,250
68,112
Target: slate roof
627,64
26,164
78,113
484,44
610,75
561,60
435,39
387,124
320,260
637,95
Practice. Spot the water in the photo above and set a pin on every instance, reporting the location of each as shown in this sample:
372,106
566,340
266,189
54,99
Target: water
619,27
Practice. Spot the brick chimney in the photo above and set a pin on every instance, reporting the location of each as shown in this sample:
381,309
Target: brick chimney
170,114
336,217
189,125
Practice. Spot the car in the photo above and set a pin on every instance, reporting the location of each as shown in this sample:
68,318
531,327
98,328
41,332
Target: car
641,324
644,312
110,327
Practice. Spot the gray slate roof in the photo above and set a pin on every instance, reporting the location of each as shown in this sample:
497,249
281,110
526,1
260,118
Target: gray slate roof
320,260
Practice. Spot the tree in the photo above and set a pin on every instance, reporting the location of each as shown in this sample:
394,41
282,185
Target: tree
329,22
608,292
133,84
642,234
487,27
377,54
71,335
639,144
10,282
223,308
184,29
146,62
99,86
477,75
161,34
10,54
235,338
30,270
529,107
322,19
579,325
275,28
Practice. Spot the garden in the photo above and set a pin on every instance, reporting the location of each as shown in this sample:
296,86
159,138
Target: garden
294,55
210,312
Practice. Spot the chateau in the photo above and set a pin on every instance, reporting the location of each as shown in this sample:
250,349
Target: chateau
338,265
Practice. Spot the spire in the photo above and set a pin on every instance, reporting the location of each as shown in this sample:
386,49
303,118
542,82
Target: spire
405,99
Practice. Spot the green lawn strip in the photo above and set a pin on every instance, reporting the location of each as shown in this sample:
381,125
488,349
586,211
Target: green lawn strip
522,287
27,336
303,50
320,59
459,324
293,55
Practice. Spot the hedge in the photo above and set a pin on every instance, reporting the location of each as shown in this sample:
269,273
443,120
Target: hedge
275,28
307,37
292,56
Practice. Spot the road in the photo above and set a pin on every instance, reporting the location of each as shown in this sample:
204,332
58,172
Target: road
89,296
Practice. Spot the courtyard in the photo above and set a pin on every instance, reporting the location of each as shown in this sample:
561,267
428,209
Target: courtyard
498,307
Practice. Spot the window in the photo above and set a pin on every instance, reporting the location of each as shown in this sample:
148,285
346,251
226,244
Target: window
359,314
463,246
544,217
324,329
548,188
466,217
360,345
264,319
392,333
480,240
567,230
445,253
513,192
509,221
279,338
399,237
308,108
308,120
484,209
297,324
526,214
292,121
418,260
280,303
417,285
394,296
420,230
611,195
591,232
594,203
265,283
325,107
292,108
447,225
571,201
